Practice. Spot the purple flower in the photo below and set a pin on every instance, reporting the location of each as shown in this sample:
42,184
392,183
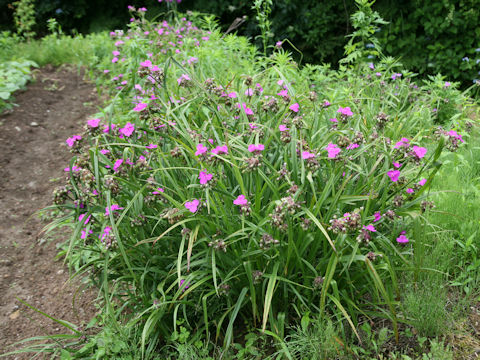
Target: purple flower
402,239
204,177
419,151
71,140
146,63
256,148
377,216
333,150
307,155
201,149
192,206
352,146
112,208
117,164
140,107
404,142
93,123
394,175
127,130
346,111
370,228
221,149
151,146
249,92
295,107
247,110
240,200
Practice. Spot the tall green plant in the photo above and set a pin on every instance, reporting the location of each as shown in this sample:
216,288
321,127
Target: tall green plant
263,9
363,45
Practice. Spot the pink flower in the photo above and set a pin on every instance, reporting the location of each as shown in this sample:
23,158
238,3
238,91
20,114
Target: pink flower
422,182
346,111
254,148
117,164
146,63
232,95
104,151
75,168
456,135
334,120
222,149
419,151
404,142
115,52
249,92
112,208
151,146
240,200
283,127
370,228
80,218
352,146
93,123
106,232
204,177
307,155
140,107
114,60
127,130
158,191
295,107
192,206
333,150
183,78
106,128
394,175
84,234
402,239
253,126
71,140
247,110
377,216
201,149
410,191
396,165
283,93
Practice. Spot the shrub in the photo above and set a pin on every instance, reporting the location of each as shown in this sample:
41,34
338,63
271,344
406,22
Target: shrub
218,186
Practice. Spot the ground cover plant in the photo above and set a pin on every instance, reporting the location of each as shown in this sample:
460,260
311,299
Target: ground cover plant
14,75
221,194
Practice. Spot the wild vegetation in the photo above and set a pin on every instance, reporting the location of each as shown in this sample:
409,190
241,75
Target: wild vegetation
231,204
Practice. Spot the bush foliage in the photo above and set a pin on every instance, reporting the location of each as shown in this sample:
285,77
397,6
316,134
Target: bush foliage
221,188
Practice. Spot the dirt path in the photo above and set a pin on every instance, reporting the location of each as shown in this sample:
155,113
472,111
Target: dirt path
32,156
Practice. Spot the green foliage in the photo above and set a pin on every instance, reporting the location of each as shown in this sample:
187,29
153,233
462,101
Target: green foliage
263,9
363,45
14,75
24,17
435,37
276,231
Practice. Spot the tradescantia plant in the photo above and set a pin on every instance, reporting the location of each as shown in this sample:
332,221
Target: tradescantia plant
216,187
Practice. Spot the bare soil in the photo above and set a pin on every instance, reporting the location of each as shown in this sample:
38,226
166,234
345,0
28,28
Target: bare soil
32,156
